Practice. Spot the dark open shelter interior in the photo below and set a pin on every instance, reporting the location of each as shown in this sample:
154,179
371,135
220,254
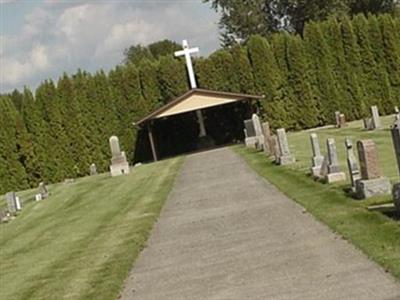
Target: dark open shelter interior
179,134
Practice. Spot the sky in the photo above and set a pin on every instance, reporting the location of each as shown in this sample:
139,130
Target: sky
41,39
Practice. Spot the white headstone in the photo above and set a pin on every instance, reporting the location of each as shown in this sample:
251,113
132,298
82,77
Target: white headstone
119,164
17,203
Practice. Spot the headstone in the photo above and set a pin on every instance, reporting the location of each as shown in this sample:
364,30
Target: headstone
249,127
258,131
250,134
43,191
396,196
352,164
119,164
376,120
317,159
274,147
38,197
266,130
69,180
11,202
368,124
4,216
324,167
337,118
371,183
396,114
342,121
277,150
334,173
396,141
285,157
17,203
93,169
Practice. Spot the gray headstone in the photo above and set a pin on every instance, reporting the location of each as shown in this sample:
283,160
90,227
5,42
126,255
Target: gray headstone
368,124
249,126
259,132
334,173
396,142
317,159
333,161
257,124
376,120
93,169
342,121
266,129
283,143
396,196
285,156
11,202
324,167
352,164
337,118
43,191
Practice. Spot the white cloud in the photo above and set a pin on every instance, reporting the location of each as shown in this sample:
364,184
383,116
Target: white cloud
60,36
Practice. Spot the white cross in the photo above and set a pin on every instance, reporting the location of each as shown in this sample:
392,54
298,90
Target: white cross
186,52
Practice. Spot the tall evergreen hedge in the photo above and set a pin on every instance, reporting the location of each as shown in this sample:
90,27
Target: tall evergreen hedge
58,131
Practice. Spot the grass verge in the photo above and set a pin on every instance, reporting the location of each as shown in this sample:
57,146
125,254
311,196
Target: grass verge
375,234
81,242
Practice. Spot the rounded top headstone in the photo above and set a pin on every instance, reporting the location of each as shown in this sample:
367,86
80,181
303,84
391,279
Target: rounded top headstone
114,145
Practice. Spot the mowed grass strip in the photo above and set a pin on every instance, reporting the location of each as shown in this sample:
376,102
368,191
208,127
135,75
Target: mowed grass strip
81,242
375,234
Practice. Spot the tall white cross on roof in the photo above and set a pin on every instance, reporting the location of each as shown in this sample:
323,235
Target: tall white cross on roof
186,52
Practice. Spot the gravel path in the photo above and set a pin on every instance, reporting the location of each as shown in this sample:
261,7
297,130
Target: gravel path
225,233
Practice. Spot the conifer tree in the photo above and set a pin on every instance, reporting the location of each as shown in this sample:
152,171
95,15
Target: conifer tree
243,79
17,98
353,70
279,47
106,120
149,85
306,113
204,73
13,175
172,78
37,130
392,54
322,67
267,80
70,90
375,80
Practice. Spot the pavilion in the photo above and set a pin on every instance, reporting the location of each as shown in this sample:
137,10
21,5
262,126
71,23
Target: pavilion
198,119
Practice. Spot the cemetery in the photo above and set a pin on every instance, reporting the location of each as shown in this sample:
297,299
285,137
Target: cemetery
268,170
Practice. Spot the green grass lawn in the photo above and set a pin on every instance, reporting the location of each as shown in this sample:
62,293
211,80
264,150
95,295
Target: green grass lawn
375,234
81,242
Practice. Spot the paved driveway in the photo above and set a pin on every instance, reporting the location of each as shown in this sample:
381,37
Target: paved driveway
225,233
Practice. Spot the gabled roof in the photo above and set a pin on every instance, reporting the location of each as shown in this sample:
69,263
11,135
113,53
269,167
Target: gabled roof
196,99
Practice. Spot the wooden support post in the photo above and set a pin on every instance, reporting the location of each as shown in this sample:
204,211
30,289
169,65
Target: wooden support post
152,145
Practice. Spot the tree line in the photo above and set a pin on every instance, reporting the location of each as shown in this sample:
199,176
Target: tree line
64,126
242,18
